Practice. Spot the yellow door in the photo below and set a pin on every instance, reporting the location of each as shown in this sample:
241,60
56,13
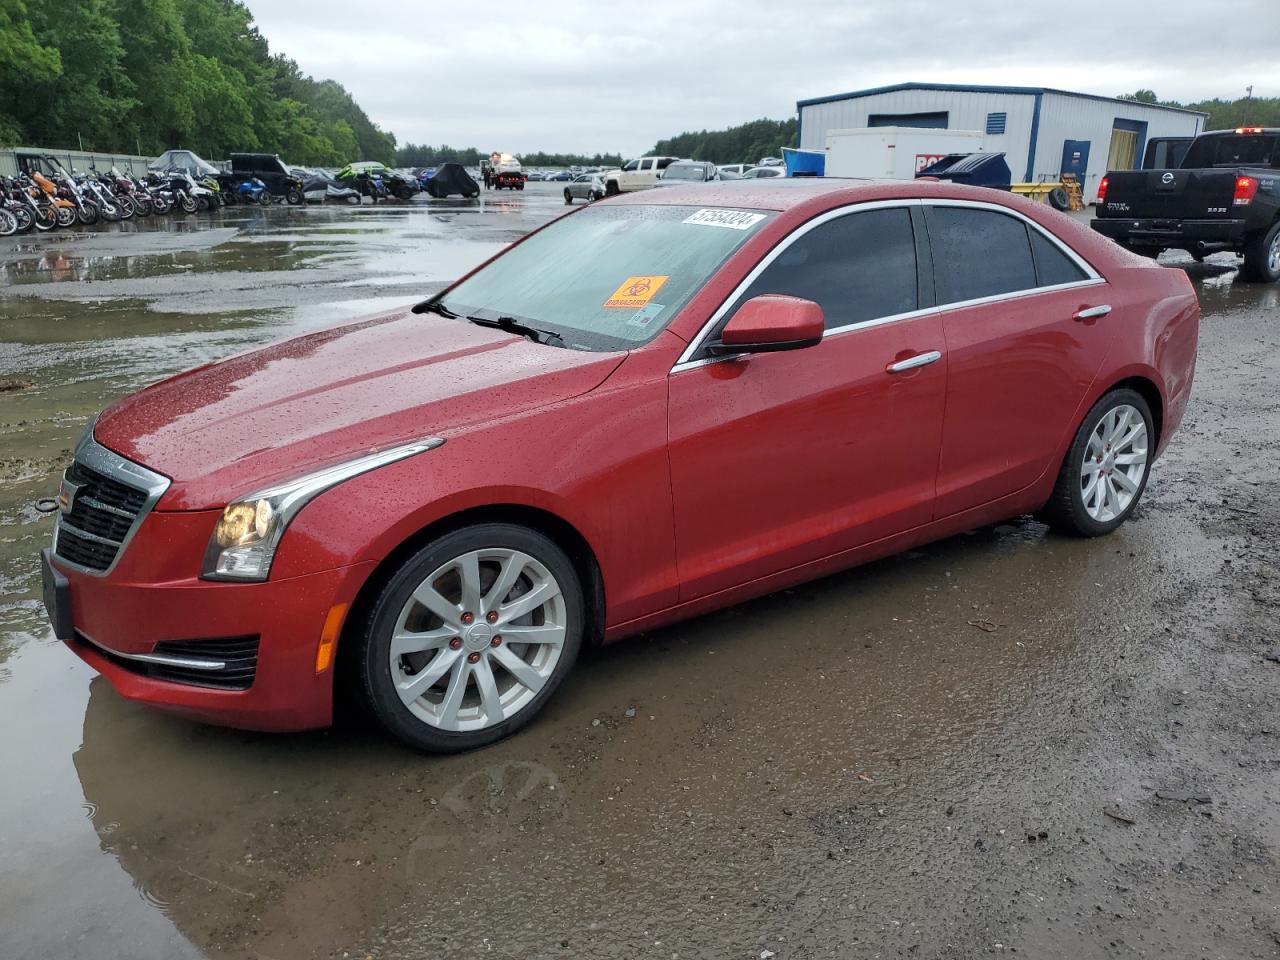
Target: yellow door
1124,150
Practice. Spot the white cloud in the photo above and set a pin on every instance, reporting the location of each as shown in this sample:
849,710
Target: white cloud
586,77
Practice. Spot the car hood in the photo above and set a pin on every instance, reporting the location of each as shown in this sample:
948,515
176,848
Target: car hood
232,427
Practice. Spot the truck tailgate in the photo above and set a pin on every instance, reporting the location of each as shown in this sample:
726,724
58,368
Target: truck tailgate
1170,194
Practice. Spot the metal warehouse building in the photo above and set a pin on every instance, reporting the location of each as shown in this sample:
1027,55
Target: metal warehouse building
1042,132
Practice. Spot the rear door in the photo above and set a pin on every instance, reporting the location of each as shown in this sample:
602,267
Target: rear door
780,459
1019,361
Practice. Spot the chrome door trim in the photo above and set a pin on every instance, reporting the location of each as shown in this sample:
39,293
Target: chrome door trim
686,362
911,363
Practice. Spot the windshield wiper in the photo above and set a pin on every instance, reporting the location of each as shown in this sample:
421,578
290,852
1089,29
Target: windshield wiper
434,306
512,325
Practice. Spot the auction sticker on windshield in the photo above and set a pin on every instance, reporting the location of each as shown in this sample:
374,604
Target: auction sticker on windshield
635,292
733,219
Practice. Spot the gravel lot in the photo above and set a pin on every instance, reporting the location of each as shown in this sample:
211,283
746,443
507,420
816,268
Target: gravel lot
1007,742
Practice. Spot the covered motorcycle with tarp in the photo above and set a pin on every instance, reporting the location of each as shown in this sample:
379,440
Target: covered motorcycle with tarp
367,177
451,178
184,161
317,188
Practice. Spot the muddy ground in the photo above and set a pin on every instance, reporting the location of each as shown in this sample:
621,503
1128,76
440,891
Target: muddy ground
1005,743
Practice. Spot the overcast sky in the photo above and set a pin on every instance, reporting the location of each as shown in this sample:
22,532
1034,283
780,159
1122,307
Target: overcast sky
618,76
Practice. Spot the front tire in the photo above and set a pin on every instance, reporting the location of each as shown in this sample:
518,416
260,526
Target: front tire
294,197
1262,257
1105,471
471,637
568,197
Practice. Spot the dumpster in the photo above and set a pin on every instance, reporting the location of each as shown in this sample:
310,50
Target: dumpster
973,169
804,163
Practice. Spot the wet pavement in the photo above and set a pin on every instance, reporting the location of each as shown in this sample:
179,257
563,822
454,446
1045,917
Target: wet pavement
1007,742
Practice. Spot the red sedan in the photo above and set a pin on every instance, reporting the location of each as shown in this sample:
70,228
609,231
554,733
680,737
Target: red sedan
652,407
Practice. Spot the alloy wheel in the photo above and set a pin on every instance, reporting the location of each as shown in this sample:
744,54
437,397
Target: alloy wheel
1273,255
478,639
1115,463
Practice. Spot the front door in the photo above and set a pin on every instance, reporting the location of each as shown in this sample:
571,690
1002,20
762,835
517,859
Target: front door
778,459
1019,362
1075,159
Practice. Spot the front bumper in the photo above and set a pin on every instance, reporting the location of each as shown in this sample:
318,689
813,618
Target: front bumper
1186,234
155,596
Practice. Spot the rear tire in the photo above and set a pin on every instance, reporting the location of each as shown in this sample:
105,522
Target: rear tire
66,216
431,694
1262,257
568,197
1094,496
8,223
294,197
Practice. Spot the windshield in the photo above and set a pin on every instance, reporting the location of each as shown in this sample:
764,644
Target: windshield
1231,150
610,277
684,173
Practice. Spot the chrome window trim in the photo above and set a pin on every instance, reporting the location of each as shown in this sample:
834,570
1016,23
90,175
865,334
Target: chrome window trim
1093,278
91,454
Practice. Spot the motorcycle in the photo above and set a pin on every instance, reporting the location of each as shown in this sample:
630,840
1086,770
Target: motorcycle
64,208
43,215
20,211
250,190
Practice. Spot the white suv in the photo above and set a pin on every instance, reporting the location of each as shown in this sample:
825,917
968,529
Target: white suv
639,174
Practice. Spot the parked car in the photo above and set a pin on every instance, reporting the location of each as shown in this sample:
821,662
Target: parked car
271,170
770,162
560,176
438,507
687,171
763,173
737,169
536,175
638,174
585,186
1224,196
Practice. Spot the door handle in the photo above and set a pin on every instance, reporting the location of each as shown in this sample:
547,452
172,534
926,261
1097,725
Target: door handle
919,360
1092,313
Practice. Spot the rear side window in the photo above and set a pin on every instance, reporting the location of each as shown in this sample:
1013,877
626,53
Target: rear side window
978,253
1052,265
857,268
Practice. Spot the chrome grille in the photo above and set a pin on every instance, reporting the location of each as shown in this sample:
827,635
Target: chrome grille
104,498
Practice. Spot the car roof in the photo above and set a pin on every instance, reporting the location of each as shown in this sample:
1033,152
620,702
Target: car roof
787,193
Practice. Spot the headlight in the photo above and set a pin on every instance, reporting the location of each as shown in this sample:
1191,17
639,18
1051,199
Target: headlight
245,540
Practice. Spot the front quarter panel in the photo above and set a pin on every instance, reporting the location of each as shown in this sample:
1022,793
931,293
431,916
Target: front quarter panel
598,462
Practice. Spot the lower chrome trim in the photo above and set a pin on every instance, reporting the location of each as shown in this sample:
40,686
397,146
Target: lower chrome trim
185,663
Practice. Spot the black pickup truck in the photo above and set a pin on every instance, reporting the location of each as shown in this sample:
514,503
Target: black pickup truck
1225,195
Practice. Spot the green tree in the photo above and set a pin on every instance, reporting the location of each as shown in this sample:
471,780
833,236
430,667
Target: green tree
26,66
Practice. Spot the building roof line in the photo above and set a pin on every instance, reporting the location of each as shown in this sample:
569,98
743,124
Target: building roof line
982,88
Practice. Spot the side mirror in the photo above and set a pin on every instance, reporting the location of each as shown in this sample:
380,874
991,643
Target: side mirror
769,323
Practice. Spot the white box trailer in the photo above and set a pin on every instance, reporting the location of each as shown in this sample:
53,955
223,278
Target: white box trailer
895,153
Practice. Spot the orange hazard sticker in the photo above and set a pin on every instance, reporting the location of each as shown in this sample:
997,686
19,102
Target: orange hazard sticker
635,292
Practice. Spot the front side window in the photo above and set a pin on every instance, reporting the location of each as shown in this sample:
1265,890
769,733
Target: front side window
610,277
858,267
978,253
631,165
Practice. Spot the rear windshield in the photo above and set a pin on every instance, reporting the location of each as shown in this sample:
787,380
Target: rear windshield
610,277
1232,150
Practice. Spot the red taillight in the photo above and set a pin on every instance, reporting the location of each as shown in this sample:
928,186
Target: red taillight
1102,190
1246,189
1248,129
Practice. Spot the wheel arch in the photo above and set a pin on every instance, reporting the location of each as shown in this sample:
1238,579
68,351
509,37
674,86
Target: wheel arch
560,531
1147,389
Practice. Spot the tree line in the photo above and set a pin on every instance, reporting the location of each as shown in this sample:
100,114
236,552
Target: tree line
745,143
1223,114
142,76
423,155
